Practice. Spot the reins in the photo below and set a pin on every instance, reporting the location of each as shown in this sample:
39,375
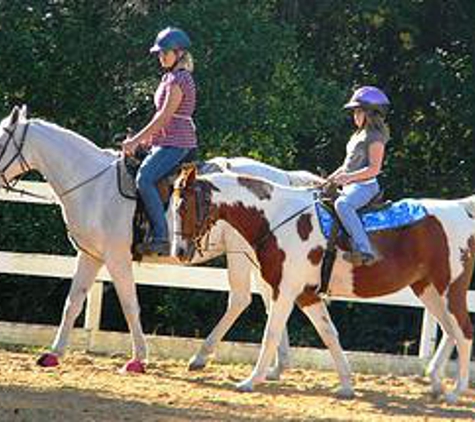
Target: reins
10,187
260,243
256,245
87,181
13,189
241,252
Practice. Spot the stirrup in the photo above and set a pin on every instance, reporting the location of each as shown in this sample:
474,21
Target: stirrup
161,248
358,258
321,294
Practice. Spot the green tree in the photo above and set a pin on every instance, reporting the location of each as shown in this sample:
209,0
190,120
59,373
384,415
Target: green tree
272,76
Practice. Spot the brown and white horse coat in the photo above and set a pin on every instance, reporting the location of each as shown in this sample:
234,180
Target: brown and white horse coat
434,257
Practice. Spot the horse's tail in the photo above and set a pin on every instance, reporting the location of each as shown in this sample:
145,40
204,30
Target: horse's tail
469,204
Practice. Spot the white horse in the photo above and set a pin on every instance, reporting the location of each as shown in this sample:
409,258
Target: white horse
434,257
99,221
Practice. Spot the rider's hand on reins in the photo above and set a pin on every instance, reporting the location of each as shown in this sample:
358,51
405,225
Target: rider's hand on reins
340,179
329,188
319,182
129,146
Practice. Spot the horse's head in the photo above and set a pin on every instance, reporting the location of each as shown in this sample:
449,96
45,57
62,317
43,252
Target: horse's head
193,213
12,138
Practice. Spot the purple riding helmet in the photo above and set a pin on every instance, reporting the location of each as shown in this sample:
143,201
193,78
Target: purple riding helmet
369,98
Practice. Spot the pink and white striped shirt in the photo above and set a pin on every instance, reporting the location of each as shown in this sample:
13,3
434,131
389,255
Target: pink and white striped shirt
180,130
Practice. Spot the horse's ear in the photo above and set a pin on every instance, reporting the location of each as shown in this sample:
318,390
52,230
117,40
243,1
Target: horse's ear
189,173
186,176
24,112
14,115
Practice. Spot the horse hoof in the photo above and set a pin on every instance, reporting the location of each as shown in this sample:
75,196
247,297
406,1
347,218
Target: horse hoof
436,392
48,360
451,398
196,363
133,366
273,374
345,393
245,387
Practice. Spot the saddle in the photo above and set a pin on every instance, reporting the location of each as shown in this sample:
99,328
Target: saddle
337,234
378,215
330,194
127,169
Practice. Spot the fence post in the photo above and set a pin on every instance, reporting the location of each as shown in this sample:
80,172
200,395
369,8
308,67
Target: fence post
428,335
92,319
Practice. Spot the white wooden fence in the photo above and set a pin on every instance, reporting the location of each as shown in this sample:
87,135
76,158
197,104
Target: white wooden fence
151,274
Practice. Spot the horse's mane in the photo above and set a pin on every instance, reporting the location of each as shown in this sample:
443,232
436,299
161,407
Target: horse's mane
229,175
210,166
76,139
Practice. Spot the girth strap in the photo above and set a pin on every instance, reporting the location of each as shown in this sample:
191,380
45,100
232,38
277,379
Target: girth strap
328,261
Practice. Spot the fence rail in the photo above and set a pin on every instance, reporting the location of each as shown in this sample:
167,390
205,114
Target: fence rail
199,278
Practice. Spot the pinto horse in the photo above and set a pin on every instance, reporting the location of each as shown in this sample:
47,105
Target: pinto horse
99,221
434,257
223,239
242,269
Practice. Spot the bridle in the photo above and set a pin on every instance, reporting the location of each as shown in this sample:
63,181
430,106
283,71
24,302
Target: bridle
206,214
25,167
9,186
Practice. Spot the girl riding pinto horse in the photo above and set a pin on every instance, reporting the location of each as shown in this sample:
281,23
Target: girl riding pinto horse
363,162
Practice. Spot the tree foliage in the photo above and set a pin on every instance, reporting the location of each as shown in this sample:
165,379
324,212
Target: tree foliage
272,76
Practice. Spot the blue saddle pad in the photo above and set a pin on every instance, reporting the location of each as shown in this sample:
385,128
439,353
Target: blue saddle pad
402,213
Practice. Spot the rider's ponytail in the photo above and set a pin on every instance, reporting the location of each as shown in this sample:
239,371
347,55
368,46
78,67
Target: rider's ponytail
375,123
185,62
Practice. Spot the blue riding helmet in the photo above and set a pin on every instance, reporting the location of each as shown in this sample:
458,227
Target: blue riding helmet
171,39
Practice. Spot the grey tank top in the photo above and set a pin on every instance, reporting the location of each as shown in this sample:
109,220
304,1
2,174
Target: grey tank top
357,149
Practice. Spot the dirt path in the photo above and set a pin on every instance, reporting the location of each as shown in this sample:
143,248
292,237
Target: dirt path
88,388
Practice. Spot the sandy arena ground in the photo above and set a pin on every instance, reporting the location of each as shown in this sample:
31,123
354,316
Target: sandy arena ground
88,388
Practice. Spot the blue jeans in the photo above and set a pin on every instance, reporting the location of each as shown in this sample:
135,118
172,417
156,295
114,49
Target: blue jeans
159,162
353,197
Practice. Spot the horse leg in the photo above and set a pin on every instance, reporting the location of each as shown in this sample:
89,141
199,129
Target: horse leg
436,306
453,334
120,269
239,275
282,357
85,274
321,320
464,349
462,328
278,316
436,367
